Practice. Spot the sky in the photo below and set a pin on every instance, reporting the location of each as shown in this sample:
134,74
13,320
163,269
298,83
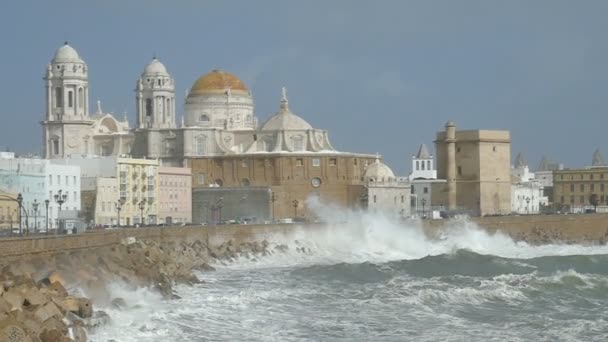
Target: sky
381,76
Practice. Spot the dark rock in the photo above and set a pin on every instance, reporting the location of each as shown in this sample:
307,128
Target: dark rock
119,303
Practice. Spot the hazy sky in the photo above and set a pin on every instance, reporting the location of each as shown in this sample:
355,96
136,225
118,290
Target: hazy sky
381,76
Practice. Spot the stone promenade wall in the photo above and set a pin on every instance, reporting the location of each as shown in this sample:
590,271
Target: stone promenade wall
583,228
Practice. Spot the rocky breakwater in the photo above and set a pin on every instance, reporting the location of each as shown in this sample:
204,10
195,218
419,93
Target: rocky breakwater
52,297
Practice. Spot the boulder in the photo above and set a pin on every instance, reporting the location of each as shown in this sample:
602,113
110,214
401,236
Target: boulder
5,307
78,305
55,277
99,318
119,303
33,296
14,298
46,312
51,335
57,289
78,334
11,331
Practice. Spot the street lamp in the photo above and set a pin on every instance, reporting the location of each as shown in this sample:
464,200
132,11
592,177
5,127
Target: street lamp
46,204
295,208
20,202
273,199
219,205
35,207
142,205
60,198
423,204
118,206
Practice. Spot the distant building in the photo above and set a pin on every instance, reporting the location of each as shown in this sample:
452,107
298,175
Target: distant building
576,190
476,165
422,177
175,195
385,193
8,211
527,195
127,187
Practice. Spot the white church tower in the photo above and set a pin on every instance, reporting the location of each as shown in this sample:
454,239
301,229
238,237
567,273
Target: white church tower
67,104
155,97
423,165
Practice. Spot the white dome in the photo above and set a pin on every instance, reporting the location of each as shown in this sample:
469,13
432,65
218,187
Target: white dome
66,53
378,171
285,119
155,67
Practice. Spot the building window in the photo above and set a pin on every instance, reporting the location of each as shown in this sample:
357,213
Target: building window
571,187
299,162
592,187
602,187
58,97
148,107
582,199
494,148
428,165
200,144
460,171
333,162
201,179
413,189
70,99
426,190
245,163
571,199
374,198
457,149
58,180
591,177
355,161
422,166
562,199
582,187
417,165
402,198
316,162
80,98
298,143
55,146
67,180
582,177
203,118
561,177
245,182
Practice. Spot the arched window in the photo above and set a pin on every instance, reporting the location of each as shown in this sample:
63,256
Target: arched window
428,165
204,118
148,107
200,144
70,99
422,165
417,165
80,98
58,97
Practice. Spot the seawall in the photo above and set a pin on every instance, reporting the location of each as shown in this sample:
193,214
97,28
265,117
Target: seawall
582,228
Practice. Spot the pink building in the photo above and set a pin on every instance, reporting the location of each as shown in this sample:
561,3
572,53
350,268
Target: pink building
175,195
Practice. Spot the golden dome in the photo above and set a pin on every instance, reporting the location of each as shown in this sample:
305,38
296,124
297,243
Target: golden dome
217,81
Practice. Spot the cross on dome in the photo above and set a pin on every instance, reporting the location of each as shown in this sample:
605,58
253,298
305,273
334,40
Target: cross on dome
284,101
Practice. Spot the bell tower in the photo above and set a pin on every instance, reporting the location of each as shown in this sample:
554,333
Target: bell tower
67,102
155,97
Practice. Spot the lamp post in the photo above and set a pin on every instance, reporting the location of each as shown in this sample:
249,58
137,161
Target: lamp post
118,206
295,208
219,205
60,198
46,204
273,199
423,204
20,203
35,207
142,206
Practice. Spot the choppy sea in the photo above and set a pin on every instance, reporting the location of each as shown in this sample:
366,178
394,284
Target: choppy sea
380,281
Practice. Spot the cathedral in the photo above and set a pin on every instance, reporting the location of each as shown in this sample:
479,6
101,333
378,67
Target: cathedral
236,161
219,118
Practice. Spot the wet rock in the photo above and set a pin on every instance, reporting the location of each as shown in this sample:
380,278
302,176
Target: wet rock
119,303
14,298
78,334
46,312
51,335
205,267
99,318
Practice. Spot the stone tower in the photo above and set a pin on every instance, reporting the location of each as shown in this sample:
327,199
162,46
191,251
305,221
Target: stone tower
67,104
450,141
155,97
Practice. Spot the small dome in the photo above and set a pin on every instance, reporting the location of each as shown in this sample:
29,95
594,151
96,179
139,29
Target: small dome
217,81
155,67
285,119
66,53
378,171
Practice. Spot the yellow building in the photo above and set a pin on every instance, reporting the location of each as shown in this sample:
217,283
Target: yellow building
575,190
9,210
476,165
114,187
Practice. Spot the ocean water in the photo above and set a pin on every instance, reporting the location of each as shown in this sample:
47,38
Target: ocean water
375,280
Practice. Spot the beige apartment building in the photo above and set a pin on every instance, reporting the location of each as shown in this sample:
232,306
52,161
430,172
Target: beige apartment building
575,190
119,190
175,195
476,165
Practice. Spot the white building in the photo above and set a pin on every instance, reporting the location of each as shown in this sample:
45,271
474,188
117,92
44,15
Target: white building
386,193
422,177
63,187
527,193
